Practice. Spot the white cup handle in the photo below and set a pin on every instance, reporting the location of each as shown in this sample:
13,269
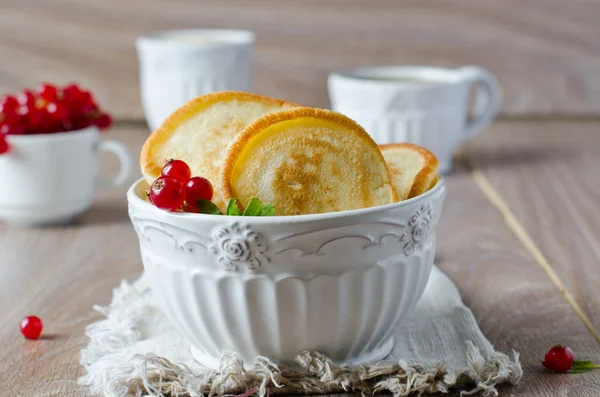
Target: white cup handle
487,98
124,158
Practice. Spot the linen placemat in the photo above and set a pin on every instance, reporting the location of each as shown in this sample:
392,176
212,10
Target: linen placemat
134,351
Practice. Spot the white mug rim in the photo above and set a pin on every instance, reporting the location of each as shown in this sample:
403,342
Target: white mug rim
53,137
223,38
429,75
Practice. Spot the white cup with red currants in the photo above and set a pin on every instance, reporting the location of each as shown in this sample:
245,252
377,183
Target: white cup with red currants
49,141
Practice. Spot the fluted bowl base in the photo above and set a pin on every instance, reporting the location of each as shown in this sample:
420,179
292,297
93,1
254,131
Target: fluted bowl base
369,357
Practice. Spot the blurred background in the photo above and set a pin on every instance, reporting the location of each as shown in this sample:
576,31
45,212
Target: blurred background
545,53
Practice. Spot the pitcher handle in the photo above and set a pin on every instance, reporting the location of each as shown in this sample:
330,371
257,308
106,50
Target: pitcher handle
487,98
118,149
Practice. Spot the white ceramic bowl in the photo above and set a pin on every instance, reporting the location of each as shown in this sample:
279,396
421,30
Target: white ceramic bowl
337,283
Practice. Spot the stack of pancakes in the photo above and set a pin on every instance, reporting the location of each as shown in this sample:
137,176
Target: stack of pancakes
302,160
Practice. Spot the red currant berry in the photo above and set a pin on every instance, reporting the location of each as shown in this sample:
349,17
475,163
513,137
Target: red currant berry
9,102
48,124
83,111
8,115
4,146
103,122
558,359
71,93
195,189
26,98
166,193
31,327
79,122
12,129
33,118
47,92
178,170
86,98
58,112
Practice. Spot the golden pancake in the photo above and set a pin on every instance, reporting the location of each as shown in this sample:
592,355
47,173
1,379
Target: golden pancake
200,131
306,161
413,169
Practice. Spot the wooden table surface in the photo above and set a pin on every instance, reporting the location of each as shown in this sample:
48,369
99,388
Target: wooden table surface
548,173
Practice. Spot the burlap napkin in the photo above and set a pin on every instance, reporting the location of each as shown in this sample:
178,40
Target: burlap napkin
135,352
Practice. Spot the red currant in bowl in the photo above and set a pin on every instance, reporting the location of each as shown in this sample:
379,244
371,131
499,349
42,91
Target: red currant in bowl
50,109
4,146
178,170
12,129
103,121
9,107
31,117
47,92
166,193
197,188
26,97
72,93
58,113
8,102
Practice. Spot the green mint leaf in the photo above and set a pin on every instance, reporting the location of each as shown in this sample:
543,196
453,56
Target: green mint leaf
584,366
207,207
267,210
580,371
232,208
253,208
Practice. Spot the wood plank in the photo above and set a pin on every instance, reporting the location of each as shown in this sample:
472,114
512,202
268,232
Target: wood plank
515,304
544,52
60,273
549,177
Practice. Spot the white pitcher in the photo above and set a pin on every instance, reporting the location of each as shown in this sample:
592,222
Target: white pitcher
424,105
179,65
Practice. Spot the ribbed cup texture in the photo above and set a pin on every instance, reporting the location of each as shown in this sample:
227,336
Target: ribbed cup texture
344,316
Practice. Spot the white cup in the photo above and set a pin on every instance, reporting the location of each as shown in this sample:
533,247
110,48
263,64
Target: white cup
427,106
50,178
178,65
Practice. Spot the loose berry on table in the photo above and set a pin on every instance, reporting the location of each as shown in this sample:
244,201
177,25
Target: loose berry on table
31,327
558,359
